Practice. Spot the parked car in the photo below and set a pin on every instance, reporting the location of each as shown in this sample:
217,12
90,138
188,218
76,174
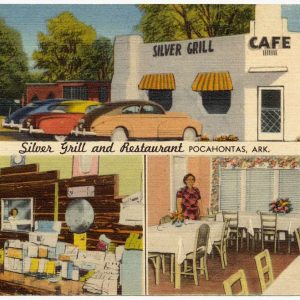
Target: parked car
15,119
61,119
8,106
121,121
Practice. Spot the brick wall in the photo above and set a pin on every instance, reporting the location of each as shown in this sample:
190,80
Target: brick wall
40,91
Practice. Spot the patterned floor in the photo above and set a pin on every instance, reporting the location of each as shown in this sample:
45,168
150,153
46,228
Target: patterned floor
241,260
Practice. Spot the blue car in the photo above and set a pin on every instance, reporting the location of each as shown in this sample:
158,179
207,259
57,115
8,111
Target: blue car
15,119
8,106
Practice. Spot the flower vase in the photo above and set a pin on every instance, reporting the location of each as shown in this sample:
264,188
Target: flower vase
178,223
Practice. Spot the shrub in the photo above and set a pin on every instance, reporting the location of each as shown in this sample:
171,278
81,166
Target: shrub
226,138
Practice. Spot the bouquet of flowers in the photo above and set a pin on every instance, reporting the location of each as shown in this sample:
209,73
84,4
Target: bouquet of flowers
177,217
281,205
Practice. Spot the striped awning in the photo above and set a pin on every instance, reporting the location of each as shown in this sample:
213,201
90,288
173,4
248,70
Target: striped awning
212,81
163,81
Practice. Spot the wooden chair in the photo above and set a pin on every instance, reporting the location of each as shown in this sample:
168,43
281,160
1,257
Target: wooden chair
268,229
164,220
221,245
235,232
211,216
264,269
155,258
297,233
158,259
199,255
238,277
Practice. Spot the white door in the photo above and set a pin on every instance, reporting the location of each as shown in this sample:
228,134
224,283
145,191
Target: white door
270,113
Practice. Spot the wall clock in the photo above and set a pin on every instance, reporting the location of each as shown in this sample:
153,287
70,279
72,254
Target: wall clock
79,215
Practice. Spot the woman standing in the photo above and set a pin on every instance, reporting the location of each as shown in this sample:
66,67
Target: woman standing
13,218
187,198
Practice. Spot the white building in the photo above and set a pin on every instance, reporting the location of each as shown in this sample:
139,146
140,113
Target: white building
246,85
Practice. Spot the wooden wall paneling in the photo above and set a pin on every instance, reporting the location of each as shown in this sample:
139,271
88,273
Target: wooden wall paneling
8,235
31,168
24,181
106,204
51,201
19,190
30,177
43,197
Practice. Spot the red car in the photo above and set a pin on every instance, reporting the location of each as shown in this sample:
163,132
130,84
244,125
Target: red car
60,121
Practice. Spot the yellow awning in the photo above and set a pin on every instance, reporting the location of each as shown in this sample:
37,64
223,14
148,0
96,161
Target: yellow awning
164,81
212,81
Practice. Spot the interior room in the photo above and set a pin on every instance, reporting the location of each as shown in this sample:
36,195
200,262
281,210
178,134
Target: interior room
223,225
71,225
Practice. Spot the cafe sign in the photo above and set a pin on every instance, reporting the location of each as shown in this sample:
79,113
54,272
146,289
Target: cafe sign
274,42
176,49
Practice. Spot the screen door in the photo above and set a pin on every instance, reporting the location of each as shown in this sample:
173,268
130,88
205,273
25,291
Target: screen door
270,116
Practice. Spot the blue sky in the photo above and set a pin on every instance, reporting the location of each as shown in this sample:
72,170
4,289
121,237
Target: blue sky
108,20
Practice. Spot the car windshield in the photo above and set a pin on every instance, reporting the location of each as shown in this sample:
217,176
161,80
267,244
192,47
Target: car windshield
133,109
90,108
151,109
23,110
103,109
58,108
32,104
43,108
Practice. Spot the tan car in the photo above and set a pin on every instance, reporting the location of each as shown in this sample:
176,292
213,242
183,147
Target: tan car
121,121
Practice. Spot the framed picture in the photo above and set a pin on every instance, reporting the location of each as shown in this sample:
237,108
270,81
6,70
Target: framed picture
16,214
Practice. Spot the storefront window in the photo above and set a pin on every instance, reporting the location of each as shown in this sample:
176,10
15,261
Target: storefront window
103,94
76,92
162,97
50,96
216,102
35,98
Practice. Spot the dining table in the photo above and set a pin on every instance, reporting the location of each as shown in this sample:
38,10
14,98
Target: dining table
168,238
288,281
251,220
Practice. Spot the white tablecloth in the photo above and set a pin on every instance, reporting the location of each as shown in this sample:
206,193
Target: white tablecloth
287,222
168,238
288,282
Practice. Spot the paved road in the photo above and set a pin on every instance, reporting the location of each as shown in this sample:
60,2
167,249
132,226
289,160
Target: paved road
15,135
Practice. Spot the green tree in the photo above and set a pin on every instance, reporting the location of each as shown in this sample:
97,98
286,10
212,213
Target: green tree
60,50
13,63
36,76
98,62
167,22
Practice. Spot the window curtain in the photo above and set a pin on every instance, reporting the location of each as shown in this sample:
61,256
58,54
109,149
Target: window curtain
230,189
259,189
289,187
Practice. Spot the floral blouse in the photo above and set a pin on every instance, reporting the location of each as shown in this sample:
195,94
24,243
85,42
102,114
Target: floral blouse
190,199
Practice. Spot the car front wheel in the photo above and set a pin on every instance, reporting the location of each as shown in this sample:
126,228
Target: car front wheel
189,135
119,135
